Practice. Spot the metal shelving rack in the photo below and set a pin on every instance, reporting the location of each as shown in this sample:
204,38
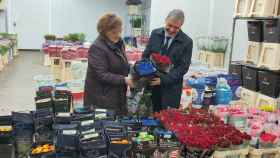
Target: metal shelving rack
235,19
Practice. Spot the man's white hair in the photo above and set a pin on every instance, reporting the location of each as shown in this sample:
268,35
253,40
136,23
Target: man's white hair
176,14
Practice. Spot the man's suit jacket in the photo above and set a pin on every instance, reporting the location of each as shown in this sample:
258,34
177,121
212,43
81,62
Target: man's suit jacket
180,53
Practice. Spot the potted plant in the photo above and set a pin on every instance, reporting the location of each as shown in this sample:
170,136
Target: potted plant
136,25
133,6
75,37
50,37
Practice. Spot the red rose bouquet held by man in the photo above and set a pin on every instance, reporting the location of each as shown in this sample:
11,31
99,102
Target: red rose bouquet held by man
162,62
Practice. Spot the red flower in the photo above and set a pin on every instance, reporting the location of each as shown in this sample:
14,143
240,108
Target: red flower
268,138
161,59
200,129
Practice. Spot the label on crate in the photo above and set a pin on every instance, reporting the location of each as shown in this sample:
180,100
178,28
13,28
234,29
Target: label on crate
61,99
167,136
64,114
102,115
69,132
44,100
87,122
100,110
88,131
88,136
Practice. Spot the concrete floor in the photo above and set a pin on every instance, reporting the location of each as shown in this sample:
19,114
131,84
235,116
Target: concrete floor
17,87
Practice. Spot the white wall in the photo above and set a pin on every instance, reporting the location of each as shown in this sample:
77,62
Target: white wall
82,15
2,21
204,17
222,21
3,14
197,14
70,16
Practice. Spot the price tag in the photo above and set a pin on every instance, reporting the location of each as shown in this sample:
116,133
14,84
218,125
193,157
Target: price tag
102,115
88,122
167,136
100,110
89,131
64,114
69,132
44,100
94,135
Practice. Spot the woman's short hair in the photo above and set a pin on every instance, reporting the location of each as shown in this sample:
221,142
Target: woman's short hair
108,22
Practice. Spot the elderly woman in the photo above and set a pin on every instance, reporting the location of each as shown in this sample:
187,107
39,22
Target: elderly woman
107,75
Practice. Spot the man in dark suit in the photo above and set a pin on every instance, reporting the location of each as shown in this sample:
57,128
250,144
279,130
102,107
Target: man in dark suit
173,42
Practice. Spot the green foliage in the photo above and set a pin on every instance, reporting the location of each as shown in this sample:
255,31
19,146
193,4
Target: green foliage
50,37
145,105
136,22
3,49
75,37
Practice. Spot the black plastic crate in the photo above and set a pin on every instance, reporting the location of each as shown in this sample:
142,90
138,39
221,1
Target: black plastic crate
269,83
23,147
25,118
7,151
250,78
235,69
44,102
6,137
104,114
63,118
62,101
93,145
272,31
67,136
5,120
255,31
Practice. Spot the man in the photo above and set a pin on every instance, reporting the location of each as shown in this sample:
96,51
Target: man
170,41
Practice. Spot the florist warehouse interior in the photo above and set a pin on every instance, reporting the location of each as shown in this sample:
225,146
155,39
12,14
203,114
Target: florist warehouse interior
139,79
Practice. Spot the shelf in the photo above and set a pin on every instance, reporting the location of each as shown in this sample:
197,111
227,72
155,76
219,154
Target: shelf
255,66
255,18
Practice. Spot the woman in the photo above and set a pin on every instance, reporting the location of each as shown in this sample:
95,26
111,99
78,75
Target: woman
107,75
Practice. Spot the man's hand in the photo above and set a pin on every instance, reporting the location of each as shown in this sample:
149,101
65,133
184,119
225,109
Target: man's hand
155,82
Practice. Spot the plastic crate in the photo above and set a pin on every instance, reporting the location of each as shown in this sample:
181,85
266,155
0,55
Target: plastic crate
249,97
255,31
66,73
23,146
242,153
67,136
264,100
253,53
44,102
269,83
250,78
7,150
260,153
62,102
213,59
242,8
271,31
270,56
56,67
93,146
235,69
264,8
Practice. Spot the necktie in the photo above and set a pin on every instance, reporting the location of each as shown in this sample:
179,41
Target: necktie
165,46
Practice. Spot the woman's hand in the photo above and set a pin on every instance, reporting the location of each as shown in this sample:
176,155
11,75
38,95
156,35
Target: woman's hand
129,81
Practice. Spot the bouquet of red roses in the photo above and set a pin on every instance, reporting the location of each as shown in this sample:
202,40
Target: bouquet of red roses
162,62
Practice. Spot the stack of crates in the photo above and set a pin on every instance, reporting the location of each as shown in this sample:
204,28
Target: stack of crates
7,148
